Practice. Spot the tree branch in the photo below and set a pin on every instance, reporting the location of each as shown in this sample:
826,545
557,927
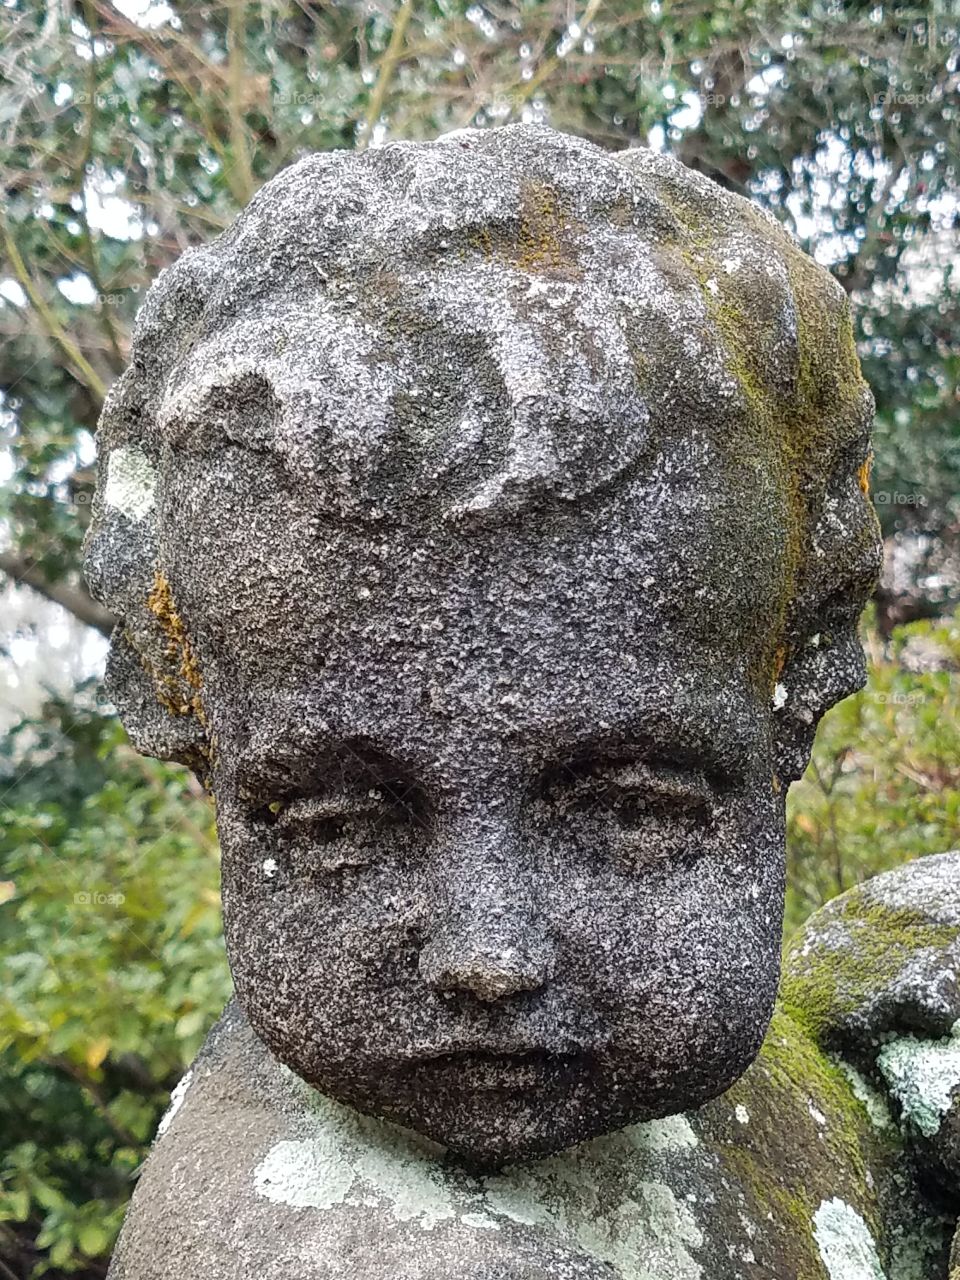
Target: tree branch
80,182
241,179
75,600
522,92
388,64
81,366
96,1095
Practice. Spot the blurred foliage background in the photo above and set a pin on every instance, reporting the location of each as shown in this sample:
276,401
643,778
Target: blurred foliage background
131,130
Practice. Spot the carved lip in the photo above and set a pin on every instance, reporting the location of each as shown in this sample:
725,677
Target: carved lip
492,1068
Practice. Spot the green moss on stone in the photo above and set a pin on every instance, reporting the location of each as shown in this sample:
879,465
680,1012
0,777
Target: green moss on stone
787,428
802,1137
545,236
793,1061
825,983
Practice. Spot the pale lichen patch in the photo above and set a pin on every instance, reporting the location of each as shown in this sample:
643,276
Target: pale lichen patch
312,1174
874,1103
176,1102
922,1075
918,1252
323,1172
349,1159
845,1243
817,1115
672,1133
482,1221
647,1234
131,482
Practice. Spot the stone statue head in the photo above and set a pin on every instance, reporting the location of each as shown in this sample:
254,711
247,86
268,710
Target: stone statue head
487,523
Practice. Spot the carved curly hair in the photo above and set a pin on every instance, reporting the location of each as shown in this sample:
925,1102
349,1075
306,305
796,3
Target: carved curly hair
525,319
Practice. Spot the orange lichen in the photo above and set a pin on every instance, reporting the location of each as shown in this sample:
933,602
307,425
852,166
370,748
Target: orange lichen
863,475
171,691
779,662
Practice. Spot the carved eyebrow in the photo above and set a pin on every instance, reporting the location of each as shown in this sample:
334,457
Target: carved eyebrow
635,773
725,746
310,758
634,765
724,755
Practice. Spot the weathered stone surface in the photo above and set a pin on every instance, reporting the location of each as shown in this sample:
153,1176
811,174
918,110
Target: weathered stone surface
789,1175
886,954
487,519
815,1165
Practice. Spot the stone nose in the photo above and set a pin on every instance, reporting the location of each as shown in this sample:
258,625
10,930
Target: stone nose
483,968
488,938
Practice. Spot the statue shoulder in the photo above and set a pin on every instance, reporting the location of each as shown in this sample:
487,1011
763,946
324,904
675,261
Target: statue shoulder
881,958
873,976
253,1173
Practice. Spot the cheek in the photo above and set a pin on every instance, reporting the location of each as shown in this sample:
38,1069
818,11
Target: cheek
293,935
628,938
709,927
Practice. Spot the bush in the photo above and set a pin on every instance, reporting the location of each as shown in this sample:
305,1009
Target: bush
883,785
110,942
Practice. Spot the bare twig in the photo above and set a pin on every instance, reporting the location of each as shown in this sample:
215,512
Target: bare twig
240,177
388,65
54,329
5,1271
92,261
92,1089
528,87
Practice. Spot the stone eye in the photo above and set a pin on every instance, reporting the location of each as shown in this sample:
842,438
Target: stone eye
351,824
639,798
344,814
336,796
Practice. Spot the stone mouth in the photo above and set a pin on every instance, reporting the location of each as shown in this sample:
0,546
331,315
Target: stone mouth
502,1070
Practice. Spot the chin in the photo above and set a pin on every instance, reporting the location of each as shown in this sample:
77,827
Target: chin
520,1129
485,1112
491,1108
486,1132
489,1115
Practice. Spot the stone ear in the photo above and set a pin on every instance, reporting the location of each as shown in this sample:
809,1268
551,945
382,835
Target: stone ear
824,658
826,670
152,674
157,725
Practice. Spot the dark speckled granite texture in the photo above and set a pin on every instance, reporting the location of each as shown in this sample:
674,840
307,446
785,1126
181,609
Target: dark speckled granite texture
487,522
811,1167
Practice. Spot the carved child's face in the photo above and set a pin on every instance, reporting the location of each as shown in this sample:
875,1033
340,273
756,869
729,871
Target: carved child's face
502,849
462,505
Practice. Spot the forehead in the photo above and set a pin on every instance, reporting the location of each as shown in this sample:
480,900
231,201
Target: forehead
657,602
